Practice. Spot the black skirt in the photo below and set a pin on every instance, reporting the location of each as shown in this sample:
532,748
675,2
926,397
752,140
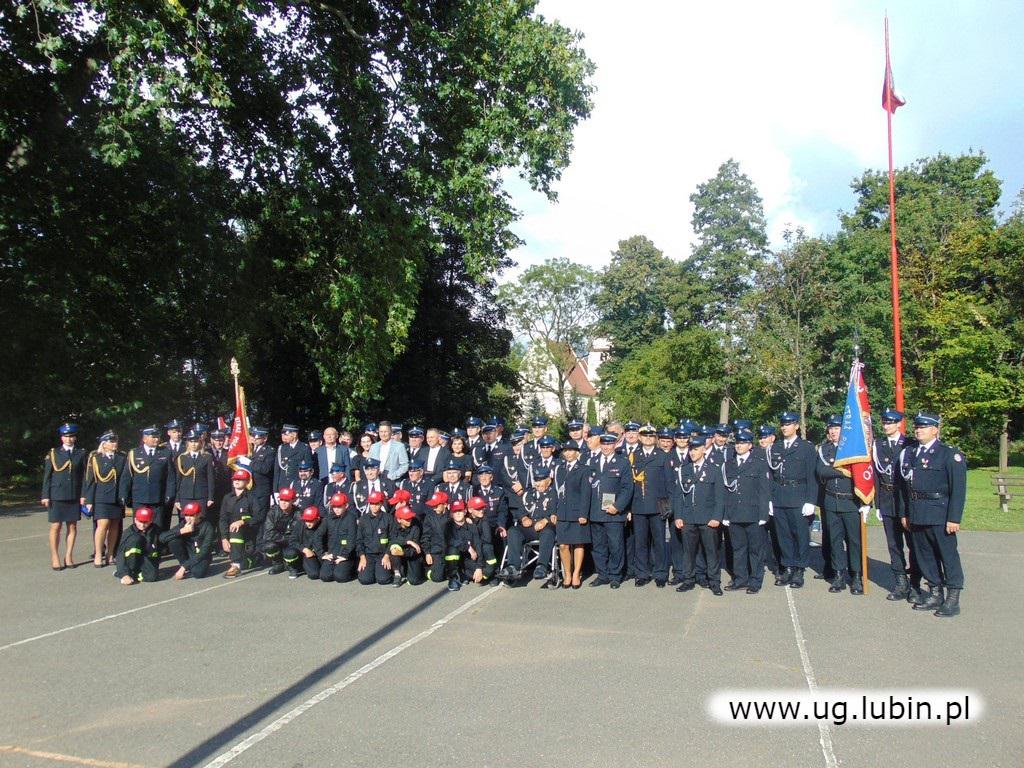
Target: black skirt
571,532
103,511
63,511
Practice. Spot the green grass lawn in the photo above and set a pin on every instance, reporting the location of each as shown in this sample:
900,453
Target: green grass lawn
982,512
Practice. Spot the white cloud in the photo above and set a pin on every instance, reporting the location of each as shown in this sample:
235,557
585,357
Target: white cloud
681,87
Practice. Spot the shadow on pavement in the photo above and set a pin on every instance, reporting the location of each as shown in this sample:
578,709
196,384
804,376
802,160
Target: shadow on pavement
226,736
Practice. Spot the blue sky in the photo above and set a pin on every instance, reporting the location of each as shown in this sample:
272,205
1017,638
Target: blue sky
790,90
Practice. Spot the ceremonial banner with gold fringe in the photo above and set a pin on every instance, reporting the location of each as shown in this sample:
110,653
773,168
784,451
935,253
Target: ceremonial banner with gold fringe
240,445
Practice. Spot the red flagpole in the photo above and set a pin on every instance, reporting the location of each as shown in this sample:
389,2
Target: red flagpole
893,258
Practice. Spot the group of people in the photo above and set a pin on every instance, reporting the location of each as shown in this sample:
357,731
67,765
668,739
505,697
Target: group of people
671,505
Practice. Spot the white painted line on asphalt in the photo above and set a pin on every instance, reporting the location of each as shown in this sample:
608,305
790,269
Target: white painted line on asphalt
281,722
824,734
22,538
128,612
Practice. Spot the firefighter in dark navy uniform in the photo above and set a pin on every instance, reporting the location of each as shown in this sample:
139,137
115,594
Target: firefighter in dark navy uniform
936,479
150,479
194,474
794,493
63,474
612,492
840,508
650,498
748,493
890,493
102,497
289,454
698,506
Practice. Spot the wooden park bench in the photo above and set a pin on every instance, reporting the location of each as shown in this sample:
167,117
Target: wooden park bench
1003,484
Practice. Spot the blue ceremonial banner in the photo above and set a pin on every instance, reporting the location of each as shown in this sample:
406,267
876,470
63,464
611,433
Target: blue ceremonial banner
854,450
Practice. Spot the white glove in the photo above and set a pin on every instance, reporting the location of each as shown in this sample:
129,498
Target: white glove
808,510
763,522
725,523
878,515
864,512
771,509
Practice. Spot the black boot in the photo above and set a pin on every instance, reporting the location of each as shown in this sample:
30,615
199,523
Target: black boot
784,577
902,588
838,583
856,585
931,601
951,607
914,593
798,578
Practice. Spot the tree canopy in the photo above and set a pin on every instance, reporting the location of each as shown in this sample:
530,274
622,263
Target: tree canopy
184,182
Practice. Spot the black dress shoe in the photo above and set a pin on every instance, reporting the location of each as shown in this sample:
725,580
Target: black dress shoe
716,590
615,585
732,586
856,586
753,590
599,582
686,586
798,579
642,582
675,581
659,583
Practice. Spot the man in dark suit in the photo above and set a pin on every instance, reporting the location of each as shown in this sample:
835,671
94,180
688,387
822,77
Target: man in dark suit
436,457
330,453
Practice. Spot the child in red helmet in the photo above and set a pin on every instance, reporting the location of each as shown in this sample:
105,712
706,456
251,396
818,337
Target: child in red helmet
191,542
138,557
339,560
404,547
435,535
374,537
235,514
307,545
277,530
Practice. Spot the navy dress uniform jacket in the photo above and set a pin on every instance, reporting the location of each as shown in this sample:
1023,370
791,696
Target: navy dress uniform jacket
748,490
794,480
936,484
148,479
699,495
617,478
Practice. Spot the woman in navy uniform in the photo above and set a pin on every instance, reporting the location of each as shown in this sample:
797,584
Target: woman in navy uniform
102,497
748,488
63,473
571,531
936,478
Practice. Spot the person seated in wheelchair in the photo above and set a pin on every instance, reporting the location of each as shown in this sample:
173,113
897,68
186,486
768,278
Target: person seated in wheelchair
463,557
537,523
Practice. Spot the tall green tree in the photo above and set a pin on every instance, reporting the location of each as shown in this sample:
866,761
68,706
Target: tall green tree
254,178
633,297
732,241
551,306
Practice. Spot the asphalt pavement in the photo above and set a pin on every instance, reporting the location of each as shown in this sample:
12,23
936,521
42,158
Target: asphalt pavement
264,671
